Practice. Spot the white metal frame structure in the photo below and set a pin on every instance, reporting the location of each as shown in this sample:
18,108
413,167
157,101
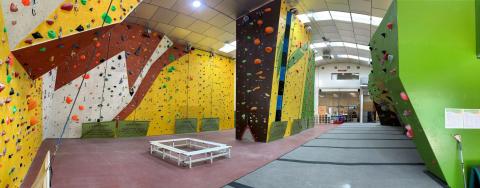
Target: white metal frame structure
202,150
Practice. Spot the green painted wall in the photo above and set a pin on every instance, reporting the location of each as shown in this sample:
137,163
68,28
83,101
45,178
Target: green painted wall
437,67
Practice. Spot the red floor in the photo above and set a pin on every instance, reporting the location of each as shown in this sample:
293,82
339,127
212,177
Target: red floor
127,162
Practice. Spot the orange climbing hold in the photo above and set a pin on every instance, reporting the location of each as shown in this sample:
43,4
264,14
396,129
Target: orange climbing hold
256,41
68,100
258,61
269,30
268,49
259,22
81,107
32,104
267,9
33,121
26,2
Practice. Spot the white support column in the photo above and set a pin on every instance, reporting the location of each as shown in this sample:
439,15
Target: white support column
361,105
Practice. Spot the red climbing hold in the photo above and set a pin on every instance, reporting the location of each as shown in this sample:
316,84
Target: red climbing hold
259,22
29,41
390,25
86,76
68,100
75,118
98,45
81,107
257,61
13,7
404,96
269,30
50,22
268,49
83,57
67,6
26,2
409,131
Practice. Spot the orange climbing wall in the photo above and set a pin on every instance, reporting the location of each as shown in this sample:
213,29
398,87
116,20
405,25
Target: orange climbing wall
20,118
88,15
196,85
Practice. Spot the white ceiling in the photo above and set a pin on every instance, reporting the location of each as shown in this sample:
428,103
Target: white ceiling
207,27
211,25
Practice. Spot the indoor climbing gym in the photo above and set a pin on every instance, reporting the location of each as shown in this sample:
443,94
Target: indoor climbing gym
240,94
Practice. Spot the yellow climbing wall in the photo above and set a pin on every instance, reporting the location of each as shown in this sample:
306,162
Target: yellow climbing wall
278,60
197,85
20,116
296,73
87,13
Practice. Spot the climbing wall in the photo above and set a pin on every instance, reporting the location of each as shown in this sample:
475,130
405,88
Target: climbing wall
21,117
257,34
196,85
298,66
67,18
416,78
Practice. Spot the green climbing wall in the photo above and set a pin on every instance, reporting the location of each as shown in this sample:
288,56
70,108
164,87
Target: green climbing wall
431,56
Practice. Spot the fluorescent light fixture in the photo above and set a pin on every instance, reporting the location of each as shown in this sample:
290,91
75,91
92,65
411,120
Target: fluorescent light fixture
227,48
318,58
318,45
321,16
196,4
340,44
303,18
341,16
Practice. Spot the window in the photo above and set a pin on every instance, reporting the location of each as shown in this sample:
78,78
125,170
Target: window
345,76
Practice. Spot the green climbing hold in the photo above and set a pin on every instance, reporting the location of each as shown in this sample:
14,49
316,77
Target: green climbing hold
9,78
171,69
164,86
106,18
14,109
167,78
84,2
113,8
171,58
4,29
51,34
43,49
249,37
88,26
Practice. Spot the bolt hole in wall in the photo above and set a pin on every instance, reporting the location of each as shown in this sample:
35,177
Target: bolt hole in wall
341,95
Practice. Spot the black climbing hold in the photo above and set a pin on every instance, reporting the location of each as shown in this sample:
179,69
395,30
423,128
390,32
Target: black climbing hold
37,35
131,91
102,60
80,28
383,35
119,57
12,91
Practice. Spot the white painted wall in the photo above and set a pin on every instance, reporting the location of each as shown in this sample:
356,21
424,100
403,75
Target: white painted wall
323,77
116,94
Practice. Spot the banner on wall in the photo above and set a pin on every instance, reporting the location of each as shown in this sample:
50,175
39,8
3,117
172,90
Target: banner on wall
132,128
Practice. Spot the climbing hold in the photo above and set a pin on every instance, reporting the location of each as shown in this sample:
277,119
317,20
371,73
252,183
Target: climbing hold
75,118
383,35
32,104
80,28
81,107
390,25
12,91
409,131
67,6
2,87
269,30
68,100
404,96
29,41
84,2
106,18
51,34
253,108
86,76
33,121
114,8
13,7
390,58
50,22
267,9
268,49
256,41
9,78
83,57
257,61
26,2
98,45
14,109
259,22
43,49
37,35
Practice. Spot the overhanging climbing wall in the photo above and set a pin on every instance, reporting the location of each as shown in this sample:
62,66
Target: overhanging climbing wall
421,78
274,72
196,85
21,117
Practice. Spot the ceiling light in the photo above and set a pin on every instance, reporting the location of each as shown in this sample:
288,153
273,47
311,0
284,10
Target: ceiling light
196,4
340,16
227,48
321,16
